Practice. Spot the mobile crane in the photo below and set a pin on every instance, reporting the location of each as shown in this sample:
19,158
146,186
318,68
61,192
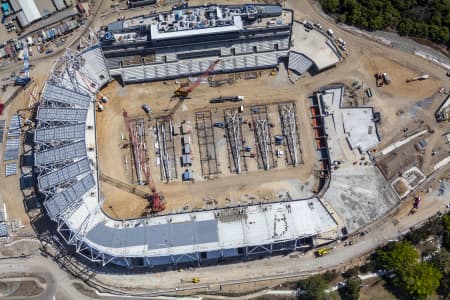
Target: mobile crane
157,204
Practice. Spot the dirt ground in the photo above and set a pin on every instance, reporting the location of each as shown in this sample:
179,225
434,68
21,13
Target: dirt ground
10,193
394,101
400,104
226,188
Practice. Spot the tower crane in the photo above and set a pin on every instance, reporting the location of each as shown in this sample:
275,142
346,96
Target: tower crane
23,81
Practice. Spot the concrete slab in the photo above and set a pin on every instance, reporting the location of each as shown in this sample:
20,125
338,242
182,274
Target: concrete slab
360,195
313,45
360,128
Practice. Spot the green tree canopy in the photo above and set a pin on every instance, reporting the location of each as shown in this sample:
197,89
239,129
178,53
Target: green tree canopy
313,288
417,279
352,288
428,19
421,280
397,256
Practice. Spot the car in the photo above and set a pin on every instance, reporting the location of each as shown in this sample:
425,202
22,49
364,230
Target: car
309,26
448,73
448,205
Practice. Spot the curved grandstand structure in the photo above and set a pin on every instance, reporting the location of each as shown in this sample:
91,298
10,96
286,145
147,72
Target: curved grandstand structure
65,143
66,150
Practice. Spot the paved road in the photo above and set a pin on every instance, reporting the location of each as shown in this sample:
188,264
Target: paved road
389,38
58,282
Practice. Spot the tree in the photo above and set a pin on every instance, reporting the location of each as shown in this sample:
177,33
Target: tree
417,279
331,5
352,288
441,261
421,280
422,18
446,223
313,288
396,256
444,286
353,272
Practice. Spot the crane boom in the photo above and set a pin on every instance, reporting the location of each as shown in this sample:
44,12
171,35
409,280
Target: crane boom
183,93
199,79
142,167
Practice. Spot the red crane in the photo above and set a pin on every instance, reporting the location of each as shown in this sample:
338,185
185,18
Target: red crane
183,92
140,155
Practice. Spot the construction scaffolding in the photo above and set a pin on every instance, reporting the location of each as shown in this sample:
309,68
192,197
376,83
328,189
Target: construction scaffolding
206,144
289,127
166,144
2,130
235,140
136,129
261,129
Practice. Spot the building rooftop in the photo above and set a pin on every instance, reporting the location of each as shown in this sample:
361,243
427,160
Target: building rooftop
355,123
315,46
207,19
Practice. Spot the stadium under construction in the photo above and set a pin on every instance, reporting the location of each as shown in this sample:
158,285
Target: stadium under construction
186,40
163,46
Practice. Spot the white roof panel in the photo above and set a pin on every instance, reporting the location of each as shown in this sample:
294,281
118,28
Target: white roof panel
30,9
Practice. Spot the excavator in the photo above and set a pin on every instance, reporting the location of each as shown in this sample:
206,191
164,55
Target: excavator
183,92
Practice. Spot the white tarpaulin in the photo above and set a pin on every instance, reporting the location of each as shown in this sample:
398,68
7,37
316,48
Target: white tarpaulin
30,10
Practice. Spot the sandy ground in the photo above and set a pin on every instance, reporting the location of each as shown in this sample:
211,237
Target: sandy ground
365,59
10,192
228,189
394,101
362,64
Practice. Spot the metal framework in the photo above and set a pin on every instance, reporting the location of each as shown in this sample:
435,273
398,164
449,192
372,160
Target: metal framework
60,202
289,127
61,115
67,178
164,131
234,137
64,153
206,143
262,136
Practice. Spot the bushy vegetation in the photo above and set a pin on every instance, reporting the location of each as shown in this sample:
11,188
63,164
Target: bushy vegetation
314,287
429,19
413,277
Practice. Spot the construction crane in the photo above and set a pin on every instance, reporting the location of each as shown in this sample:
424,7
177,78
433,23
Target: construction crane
419,78
24,80
142,168
183,92
123,186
